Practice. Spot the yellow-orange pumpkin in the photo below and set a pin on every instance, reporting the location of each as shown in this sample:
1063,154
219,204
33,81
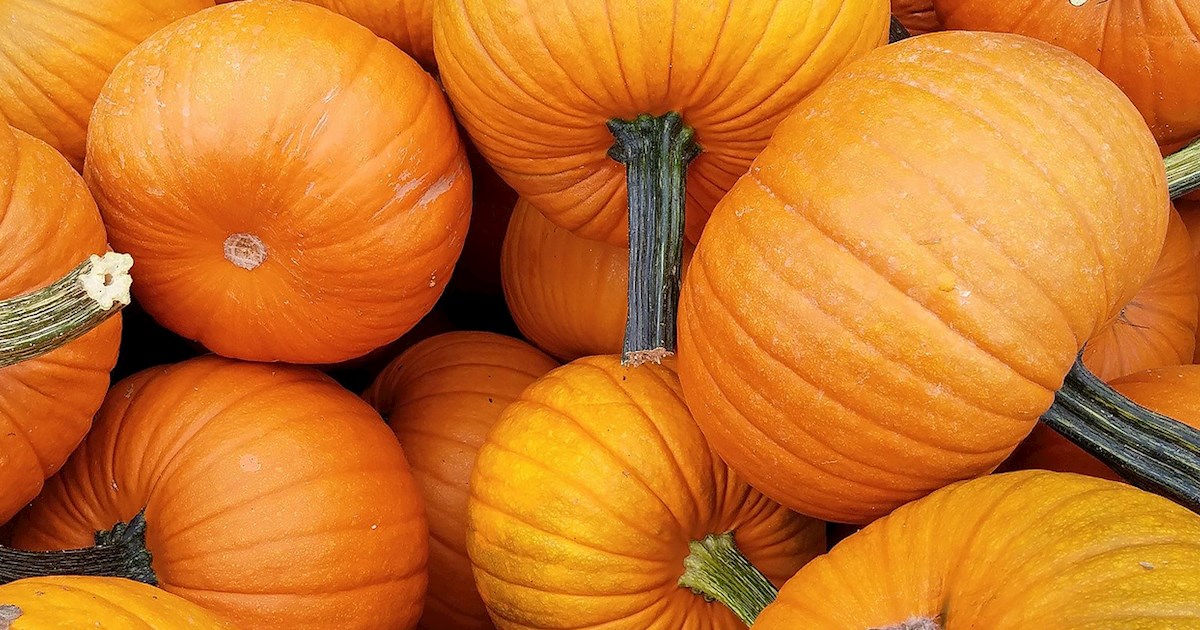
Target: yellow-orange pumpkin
97,602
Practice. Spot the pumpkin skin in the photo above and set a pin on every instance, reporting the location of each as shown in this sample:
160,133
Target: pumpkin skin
1074,553
312,226
585,497
534,85
407,23
255,480
111,603
56,54
917,16
1150,50
1189,211
441,397
860,325
48,225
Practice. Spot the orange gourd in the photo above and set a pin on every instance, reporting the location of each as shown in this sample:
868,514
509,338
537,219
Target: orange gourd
97,602
406,23
1022,550
596,502
917,16
441,397
611,116
270,495
862,324
310,215
55,55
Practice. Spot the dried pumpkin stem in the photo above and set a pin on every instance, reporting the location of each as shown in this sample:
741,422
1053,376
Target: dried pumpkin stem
119,552
38,322
656,152
716,570
897,32
1150,450
1183,170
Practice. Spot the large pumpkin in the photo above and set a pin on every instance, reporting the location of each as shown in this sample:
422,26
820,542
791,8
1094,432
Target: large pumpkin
96,602
311,214
572,100
441,397
270,495
595,500
862,323
55,55
1022,550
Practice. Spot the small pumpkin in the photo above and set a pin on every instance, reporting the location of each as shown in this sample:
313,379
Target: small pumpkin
917,16
596,502
98,602
265,493
1019,550
441,397
310,215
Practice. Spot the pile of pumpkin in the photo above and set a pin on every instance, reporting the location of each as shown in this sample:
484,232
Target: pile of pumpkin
781,269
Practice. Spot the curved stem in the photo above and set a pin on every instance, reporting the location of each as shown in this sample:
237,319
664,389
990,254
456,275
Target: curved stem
716,570
36,323
656,151
897,32
119,552
1150,450
1183,170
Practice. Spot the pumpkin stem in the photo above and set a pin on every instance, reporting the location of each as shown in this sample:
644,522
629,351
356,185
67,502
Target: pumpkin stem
1150,450
898,32
38,322
716,570
1183,170
119,552
656,152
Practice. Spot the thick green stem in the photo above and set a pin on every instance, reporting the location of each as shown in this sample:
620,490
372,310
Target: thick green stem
1183,170
717,571
119,552
656,151
36,323
897,32
1148,449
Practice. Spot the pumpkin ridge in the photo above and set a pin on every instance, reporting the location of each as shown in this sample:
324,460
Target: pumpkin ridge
531,18
10,57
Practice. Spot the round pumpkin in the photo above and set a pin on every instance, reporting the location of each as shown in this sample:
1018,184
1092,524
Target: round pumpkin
1019,550
862,323
917,16
406,23
95,602
588,498
310,215
441,397
271,496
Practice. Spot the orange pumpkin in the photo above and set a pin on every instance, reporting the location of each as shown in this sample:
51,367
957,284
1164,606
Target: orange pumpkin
862,324
1020,550
596,502
1158,326
55,55
406,23
270,495
441,397
917,16
610,117
1189,211
310,215
95,602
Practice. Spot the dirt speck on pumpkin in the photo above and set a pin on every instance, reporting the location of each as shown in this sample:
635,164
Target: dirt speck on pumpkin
1146,565
249,463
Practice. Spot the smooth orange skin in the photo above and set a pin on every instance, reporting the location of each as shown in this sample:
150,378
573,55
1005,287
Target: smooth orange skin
862,324
1023,550
72,602
1157,327
917,16
336,150
1150,49
441,397
406,23
534,84
55,56
48,225
585,497
272,496
1190,212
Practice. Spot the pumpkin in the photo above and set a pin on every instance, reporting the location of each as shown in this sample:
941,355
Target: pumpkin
596,502
862,324
309,216
56,54
441,397
1158,326
610,117
408,23
113,603
59,331
1020,550
917,16
1190,212
478,270
267,494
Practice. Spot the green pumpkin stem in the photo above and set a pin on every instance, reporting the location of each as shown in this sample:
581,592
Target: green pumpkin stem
119,552
717,571
38,322
1183,170
1149,450
656,152
897,32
